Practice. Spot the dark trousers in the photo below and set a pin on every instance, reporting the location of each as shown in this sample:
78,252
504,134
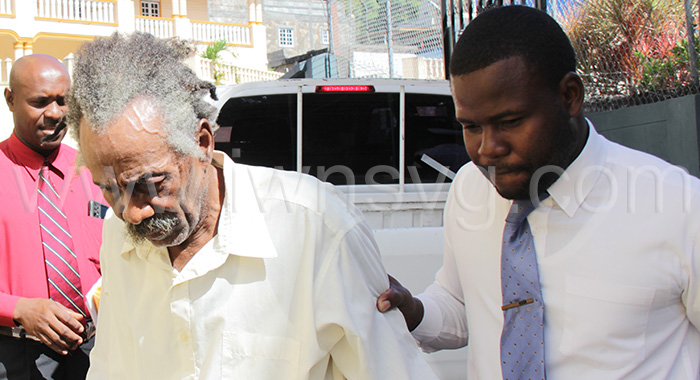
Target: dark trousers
26,359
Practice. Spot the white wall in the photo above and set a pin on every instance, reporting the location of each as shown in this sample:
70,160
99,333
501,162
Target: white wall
376,65
6,123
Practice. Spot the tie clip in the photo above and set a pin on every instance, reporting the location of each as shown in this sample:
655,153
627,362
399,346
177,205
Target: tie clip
517,303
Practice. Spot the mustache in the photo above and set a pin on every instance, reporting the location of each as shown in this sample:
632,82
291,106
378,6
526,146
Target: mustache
54,136
500,168
156,225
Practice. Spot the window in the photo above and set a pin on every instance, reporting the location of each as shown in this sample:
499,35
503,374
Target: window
263,130
347,138
150,8
286,37
432,133
325,37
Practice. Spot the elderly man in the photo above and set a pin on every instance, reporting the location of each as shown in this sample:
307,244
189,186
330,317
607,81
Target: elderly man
49,241
567,256
214,270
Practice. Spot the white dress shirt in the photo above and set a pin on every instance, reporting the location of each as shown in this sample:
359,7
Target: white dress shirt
286,290
618,250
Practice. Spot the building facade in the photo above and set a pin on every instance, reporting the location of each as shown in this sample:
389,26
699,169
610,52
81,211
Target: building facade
59,27
293,28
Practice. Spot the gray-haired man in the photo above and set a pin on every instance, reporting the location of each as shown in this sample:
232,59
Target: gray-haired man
214,270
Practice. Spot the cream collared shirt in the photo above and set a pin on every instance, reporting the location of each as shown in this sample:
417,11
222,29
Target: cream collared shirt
618,250
285,290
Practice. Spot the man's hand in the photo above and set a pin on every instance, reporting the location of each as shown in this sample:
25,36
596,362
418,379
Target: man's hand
398,296
50,322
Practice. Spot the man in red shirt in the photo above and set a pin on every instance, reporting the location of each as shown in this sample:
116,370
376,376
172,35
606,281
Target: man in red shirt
49,252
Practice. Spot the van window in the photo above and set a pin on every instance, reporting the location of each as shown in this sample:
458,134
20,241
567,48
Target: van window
262,130
347,138
433,131
346,135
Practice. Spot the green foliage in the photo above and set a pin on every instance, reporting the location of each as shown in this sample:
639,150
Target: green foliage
213,50
669,71
212,53
628,45
656,72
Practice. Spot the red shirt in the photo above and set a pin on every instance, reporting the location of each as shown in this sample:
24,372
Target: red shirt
22,268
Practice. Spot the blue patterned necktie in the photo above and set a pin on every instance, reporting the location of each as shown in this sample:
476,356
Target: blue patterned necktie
522,339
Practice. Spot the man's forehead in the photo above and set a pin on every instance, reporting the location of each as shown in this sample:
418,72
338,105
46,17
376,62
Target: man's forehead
139,116
45,91
144,114
42,91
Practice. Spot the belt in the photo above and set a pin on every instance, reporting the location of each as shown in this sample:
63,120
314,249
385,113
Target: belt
21,333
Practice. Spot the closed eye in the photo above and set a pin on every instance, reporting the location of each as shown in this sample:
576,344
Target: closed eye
471,128
40,102
151,184
110,192
511,122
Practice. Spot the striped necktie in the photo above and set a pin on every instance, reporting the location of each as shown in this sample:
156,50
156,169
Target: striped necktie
59,256
522,339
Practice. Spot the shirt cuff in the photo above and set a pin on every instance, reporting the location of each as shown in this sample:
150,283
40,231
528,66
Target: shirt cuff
7,309
428,328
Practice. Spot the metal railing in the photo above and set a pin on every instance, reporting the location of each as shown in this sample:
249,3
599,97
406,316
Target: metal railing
92,11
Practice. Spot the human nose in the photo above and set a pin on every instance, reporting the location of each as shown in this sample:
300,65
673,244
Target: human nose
134,209
492,144
54,111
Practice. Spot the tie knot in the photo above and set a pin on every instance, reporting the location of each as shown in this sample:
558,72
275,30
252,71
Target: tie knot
519,211
45,177
44,170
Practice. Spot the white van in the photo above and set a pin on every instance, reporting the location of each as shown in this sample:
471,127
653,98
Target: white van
392,145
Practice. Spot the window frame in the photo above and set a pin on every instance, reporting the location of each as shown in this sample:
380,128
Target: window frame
150,8
325,36
290,37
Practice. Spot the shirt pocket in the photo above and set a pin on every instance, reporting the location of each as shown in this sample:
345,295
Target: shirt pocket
605,322
260,357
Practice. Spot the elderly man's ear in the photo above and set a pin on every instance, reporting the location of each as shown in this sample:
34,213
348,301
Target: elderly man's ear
205,138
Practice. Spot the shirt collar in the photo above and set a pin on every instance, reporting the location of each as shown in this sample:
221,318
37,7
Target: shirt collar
33,161
577,181
242,229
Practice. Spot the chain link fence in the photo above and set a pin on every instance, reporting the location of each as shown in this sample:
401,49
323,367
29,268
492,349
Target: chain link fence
630,52
387,38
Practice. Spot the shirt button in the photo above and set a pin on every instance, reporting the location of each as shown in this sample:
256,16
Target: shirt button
184,337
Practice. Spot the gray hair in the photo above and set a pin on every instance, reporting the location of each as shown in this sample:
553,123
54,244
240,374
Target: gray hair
111,72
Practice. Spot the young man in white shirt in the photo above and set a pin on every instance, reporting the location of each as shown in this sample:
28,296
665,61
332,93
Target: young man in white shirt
615,231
